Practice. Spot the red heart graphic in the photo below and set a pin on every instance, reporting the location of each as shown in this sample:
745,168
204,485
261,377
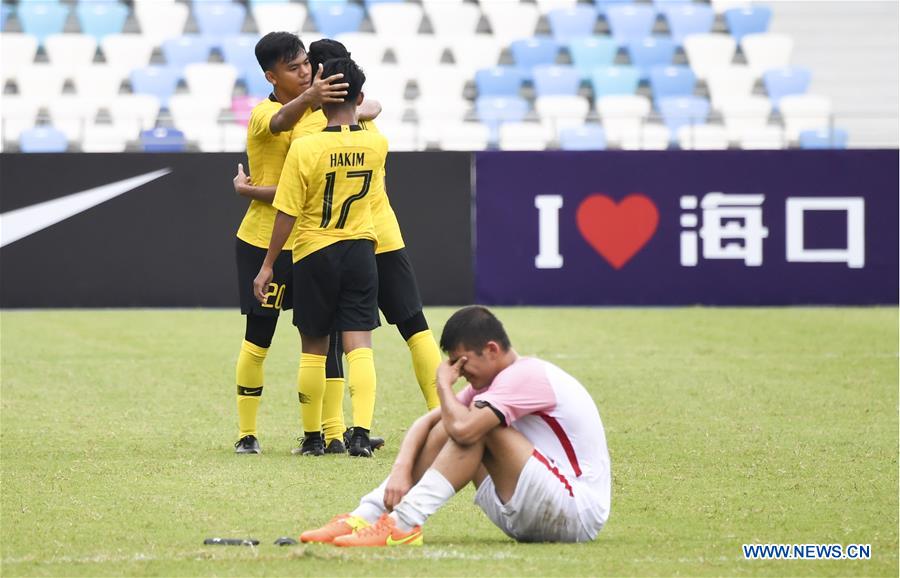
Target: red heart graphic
617,231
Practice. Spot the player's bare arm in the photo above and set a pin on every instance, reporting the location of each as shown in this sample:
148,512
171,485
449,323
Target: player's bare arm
245,188
464,425
281,230
320,91
401,477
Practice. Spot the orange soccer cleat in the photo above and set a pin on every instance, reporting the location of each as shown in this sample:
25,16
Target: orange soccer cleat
384,532
340,525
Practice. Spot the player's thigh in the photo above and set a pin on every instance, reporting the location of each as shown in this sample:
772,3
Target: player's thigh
357,308
506,453
317,282
279,295
398,291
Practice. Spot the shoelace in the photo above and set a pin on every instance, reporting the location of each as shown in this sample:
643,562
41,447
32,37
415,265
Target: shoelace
377,528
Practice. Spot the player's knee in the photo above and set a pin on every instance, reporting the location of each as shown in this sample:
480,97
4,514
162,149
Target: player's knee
260,330
413,325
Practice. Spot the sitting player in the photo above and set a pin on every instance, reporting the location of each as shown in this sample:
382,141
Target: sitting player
324,188
526,433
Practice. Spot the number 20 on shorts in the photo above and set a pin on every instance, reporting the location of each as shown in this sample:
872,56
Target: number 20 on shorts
275,296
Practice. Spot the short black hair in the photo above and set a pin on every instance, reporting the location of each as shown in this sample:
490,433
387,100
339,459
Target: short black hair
353,75
277,47
472,327
324,50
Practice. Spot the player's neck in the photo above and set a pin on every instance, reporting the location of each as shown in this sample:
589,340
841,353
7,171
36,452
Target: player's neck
508,358
341,114
281,97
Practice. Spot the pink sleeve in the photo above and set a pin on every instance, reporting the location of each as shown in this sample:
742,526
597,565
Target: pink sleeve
465,396
521,389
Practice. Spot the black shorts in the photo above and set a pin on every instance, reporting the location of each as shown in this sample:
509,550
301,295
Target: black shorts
249,260
398,292
336,289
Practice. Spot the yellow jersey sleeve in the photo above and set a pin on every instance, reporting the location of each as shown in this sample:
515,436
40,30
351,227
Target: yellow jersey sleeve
291,191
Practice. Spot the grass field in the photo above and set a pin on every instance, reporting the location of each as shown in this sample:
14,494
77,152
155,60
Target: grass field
725,427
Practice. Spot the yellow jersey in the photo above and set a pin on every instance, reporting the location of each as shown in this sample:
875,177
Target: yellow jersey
265,159
326,183
387,229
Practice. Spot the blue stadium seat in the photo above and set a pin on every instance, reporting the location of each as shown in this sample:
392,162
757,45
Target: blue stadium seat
254,2
495,110
553,80
373,2
575,22
679,111
582,138
160,81
615,80
42,19
823,138
651,51
784,81
238,50
256,83
603,5
100,19
217,19
499,81
592,52
748,20
333,18
185,49
666,81
535,51
163,140
630,21
43,139
5,11
687,19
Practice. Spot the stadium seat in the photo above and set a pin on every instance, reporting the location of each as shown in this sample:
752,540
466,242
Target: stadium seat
767,51
780,82
242,106
101,82
133,113
706,52
71,114
402,136
615,80
275,16
43,139
18,52
524,136
187,49
555,80
495,110
684,18
127,51
650,51
217,19
587,137
629,22
18,114
511,20
762,138
672,81
239,51
530,52
802,112
466,136
41,19
193,115
416,51
748,19
332,19
159,81
603,5
394,18
161,20
823,139
70,51
499,81
702,137
547,6
649,137
453,20
722,6
592,52
744,114
41,82
5,11
387,84
100,19
432,111
445,82
366,48
211,81
558,112
678,111
622,115
163,140
480,51
227,137
729,82
257,85
577,21
104,138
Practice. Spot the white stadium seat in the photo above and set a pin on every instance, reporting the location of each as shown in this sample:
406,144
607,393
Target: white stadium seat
703,137
366,48
18,114
766,51
402,136
211,81
160,21
135,112
417,52
466,136
70,51
18,52
804,112
525,136
101,82
395,18
453,20
127,51
622,116
105,138
71,114
706,52
765,137
510,20
445,81
480,51
728,83
743,114
193,115
560,111
650,137
41,82
276,16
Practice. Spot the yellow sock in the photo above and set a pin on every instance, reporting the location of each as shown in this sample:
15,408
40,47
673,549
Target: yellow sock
249,377
426,357
333,409
311,390
361,375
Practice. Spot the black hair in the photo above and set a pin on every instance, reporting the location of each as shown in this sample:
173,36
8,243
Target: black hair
353,75
472,327
277,47
324,50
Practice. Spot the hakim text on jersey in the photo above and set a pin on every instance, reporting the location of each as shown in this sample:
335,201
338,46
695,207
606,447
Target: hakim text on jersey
348,159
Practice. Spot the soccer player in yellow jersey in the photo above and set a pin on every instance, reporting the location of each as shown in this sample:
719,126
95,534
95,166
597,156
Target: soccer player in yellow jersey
269,134
323,194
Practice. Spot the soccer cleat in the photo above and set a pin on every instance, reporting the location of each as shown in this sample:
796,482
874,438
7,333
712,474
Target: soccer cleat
374,443
384,532
340,525
360,445
310,445
335,447
247,445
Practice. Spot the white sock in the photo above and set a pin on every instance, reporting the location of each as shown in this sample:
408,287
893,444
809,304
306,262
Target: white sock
422,500
371,506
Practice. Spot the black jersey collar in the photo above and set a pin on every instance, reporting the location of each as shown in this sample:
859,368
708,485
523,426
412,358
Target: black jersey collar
352,127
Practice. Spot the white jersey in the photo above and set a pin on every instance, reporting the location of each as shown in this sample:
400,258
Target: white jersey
557,415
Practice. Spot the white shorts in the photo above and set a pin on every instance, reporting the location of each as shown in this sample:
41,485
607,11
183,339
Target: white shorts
546,506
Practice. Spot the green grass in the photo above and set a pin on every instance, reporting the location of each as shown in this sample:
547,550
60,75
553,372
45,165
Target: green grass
725,427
